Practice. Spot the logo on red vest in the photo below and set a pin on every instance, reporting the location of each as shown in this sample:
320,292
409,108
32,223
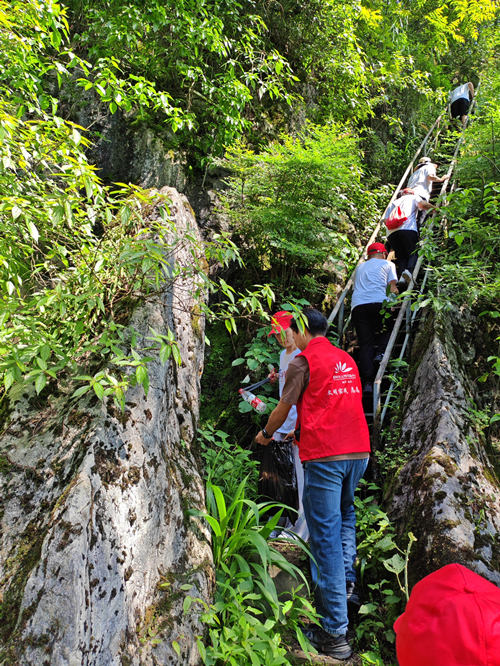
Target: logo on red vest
343,372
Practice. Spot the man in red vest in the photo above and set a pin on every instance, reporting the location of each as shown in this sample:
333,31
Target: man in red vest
334,445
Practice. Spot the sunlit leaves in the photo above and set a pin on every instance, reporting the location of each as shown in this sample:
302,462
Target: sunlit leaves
192,67
75,257
458,19
291,203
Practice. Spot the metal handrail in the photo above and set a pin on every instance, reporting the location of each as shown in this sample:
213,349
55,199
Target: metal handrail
405,312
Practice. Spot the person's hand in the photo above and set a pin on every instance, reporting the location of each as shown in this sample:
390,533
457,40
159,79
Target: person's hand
260,439
273,376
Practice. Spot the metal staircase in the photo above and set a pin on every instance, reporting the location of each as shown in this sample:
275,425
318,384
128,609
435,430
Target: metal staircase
398,347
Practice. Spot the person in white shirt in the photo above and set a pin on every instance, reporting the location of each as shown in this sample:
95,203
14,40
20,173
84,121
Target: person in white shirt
372,281
423,177
404,239
284,336
460,99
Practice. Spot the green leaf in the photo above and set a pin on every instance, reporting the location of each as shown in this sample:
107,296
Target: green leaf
176,354
220,502
45,352
33,231
80,391
165,352
372,658
8,379
395,564
304,643
141,375
368,609
40,382
214,524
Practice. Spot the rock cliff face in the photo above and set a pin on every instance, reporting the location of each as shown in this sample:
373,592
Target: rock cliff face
126,153
97,547
448,492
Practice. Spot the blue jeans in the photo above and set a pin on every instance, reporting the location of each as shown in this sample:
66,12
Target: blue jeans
328,505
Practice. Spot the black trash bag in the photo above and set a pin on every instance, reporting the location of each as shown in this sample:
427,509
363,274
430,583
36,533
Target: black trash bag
277,478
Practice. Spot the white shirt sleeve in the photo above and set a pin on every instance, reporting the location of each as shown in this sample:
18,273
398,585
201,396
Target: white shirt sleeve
391,275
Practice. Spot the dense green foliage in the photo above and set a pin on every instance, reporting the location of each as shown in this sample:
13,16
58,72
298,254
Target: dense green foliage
308,106
249,617
294,206
210,60
76,256
213,71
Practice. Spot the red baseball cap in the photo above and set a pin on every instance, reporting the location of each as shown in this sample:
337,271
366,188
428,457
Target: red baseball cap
452,619
280,321
375,247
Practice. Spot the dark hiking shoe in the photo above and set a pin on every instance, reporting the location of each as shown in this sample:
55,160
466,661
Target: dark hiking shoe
352,594
332,646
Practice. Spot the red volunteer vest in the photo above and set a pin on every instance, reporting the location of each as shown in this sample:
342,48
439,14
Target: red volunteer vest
330,411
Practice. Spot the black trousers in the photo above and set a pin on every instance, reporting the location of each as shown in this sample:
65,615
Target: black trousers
404,243
460,107
373,331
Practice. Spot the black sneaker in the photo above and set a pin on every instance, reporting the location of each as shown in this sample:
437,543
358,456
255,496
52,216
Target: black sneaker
402,285
332,646
352,594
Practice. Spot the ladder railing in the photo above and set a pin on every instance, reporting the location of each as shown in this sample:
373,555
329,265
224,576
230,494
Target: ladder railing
405,312
337,316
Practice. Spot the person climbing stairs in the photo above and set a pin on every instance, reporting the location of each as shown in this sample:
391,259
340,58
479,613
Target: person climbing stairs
445,146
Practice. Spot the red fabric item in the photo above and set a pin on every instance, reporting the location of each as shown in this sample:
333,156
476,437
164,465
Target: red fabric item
396,218
330,411
375,247
280,321
452,619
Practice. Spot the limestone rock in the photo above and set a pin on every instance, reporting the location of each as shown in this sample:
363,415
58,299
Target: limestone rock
447,493
96,541
152,165
124,152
